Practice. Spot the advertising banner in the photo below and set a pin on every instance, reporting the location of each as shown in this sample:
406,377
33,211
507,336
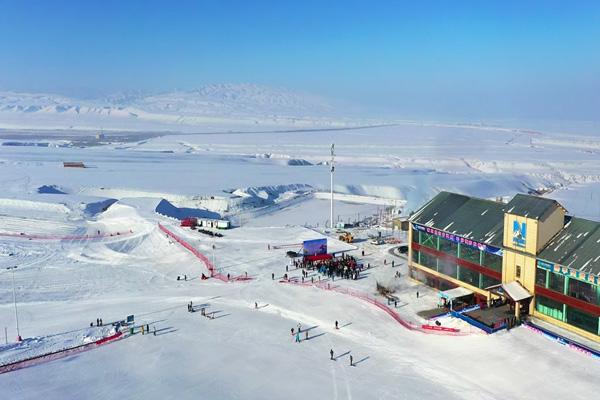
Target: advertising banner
458,239
315,247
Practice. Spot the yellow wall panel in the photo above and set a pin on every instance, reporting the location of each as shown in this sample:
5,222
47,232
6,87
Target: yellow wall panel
550,227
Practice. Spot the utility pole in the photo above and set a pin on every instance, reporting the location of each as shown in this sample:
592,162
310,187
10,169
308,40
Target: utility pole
12,269
332,171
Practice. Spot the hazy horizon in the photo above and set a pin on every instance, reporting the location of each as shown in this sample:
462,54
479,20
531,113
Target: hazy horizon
503,60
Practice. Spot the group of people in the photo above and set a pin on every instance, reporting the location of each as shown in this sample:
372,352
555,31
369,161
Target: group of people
346,267
331,357
98,322
297,333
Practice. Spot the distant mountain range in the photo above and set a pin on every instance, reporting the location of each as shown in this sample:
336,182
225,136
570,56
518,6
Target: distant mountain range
238,106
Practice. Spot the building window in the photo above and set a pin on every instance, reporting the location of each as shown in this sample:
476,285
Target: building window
549,307
470,254
582,320
583,291
492,261
415,256
540,277
556,282
429,240
448,247
415,235
518,272
468,276
447,267
487,281
429,261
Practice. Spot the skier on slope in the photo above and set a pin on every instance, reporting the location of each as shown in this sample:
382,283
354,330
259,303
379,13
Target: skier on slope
331,354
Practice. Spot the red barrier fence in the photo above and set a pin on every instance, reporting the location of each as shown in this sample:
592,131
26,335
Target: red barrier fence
365,297
439,328
56,355
68,237
211,268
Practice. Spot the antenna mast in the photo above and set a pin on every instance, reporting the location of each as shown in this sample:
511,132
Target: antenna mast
332,171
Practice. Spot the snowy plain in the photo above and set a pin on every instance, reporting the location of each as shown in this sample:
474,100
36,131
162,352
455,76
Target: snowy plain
273,183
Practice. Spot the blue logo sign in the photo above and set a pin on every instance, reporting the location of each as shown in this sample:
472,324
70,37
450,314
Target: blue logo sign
519,234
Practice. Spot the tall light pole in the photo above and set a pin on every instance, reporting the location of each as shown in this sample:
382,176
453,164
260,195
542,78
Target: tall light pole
332,171
12,269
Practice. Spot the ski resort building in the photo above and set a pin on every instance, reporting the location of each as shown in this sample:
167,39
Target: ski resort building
527,254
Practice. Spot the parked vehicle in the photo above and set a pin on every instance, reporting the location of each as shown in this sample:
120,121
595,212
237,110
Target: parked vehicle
346,237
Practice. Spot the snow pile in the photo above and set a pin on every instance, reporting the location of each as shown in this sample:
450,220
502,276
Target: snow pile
27,206
272,194
120,218
97,207
283,159
51,189
263,196
167,209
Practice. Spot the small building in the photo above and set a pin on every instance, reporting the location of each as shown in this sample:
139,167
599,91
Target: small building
73,164
527,253
214,223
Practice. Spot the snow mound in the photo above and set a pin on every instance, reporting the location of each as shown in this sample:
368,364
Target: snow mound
271,194
283,159
167,209
25,207
50,189
298,162
95,208
266,196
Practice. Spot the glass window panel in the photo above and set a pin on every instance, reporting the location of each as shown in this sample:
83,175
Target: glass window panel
492,261
583,291
540,277
447,267
470,254
557,282
582,320
429,261
415,256
429,240
488,281
549,307
468,276
415,235
448,247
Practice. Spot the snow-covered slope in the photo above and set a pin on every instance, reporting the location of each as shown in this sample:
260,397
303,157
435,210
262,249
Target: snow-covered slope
232,105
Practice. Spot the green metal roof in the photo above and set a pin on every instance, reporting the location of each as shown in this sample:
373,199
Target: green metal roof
476,219
531,206
576,246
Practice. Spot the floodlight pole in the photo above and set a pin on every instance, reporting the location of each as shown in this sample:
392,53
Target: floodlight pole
332,171
12,269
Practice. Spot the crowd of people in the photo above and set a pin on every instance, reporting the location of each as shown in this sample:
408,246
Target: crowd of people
346,266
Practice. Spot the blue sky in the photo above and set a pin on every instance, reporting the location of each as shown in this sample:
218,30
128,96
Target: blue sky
462,59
